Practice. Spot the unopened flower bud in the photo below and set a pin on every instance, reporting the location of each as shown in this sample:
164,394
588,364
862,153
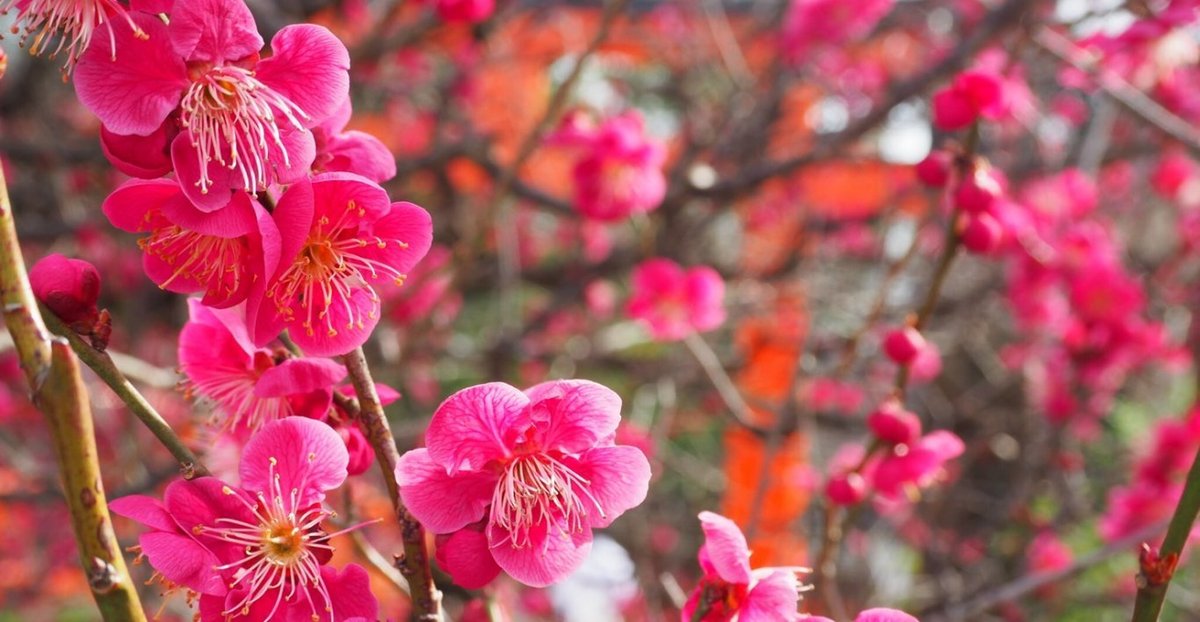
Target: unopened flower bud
902,345
934,170
894,424
70,288
846,489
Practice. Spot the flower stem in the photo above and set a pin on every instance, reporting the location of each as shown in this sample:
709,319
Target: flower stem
414,563
1151,593
102,364
58,391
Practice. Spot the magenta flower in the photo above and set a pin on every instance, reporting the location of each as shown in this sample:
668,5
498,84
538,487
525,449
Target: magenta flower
539,468
71,23
351,151
672,302
729,589
465,11
250,386
341,236
619,171
258,552
232,121
189,250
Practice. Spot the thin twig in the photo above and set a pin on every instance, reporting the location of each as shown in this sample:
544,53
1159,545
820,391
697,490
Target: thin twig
414,563
103,366
711,364
58,392
980,603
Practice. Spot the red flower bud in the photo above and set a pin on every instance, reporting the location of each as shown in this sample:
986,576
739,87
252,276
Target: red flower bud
70,288
934,170
952,110
982,234
902,345
846,489
894,424
977,192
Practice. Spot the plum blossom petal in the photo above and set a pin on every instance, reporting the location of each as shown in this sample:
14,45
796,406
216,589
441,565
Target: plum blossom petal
213,30
726,548
135,93
618,479
305,55
295,454
573,415
441,502
773,598
472,427
466,557
553,552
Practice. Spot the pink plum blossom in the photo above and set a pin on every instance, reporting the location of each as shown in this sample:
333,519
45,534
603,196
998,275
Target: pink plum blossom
258,551
196,93
811,25
341,237
531,472
672,302
72,23
729,589
191,251
250,386
619,170
973,95
915,466
351,151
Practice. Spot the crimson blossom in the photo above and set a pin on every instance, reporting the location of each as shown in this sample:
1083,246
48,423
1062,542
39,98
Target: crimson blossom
730,590
187,250
619,170
72,23
250,386
522,478
258,552
194,97
340,238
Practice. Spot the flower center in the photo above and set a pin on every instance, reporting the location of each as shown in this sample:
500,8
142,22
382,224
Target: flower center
719,601
538,489
75,21
279,549
234,120
328,271
218,264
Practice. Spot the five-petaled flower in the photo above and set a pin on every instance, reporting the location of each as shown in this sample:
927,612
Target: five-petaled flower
729,589
341,237
250,386
195,94
673,302
539,468
191,251
258,552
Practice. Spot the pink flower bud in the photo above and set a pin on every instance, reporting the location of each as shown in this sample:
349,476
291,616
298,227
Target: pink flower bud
846,489
934,170
3,62
894,424
978,191
68,287
983,234
902,345
952,110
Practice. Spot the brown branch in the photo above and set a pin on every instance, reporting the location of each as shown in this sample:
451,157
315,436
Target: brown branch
59,393
996,22
414,563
